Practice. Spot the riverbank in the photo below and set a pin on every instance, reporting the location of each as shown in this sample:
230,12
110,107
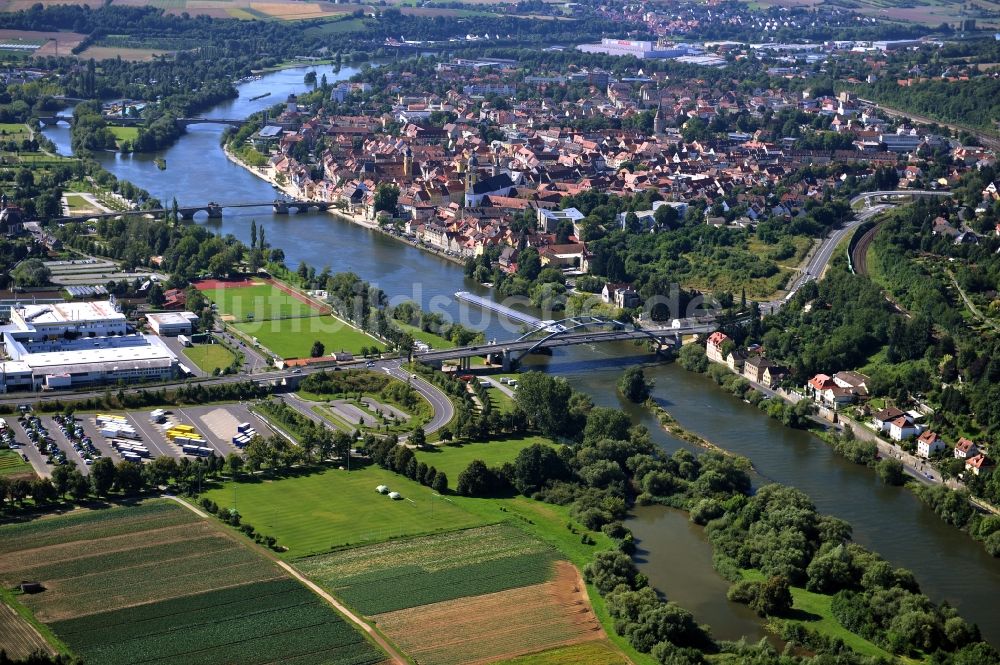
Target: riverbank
359,220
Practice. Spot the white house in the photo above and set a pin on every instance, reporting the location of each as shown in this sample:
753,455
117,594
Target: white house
929,443
883,418
713,348
965,449
903,428
977,463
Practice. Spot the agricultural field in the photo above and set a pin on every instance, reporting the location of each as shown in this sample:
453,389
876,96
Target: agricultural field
17,636
497,625
258,301
293,338
419,571
209,357
264,622
157,552
12,464
315,513
127,583
453,459
586,653
52,43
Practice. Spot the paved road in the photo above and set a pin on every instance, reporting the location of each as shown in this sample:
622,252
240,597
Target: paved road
822,256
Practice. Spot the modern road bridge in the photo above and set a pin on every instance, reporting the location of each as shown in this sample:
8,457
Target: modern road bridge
568,332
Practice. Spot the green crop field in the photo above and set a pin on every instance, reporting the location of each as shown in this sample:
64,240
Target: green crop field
156,582
259,302
318,512
293,338
454,459
272,621
419,571
209,357
12,464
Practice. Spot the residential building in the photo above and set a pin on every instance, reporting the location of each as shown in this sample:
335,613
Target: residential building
929,443
965,449
903,428
977,463
713,348
882,419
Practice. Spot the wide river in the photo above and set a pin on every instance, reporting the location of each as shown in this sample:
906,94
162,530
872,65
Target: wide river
948,564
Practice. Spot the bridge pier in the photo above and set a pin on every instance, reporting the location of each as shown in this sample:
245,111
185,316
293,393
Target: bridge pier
280,208
465,364
508,364
214,211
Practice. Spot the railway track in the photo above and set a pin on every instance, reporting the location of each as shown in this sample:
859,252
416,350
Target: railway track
859,257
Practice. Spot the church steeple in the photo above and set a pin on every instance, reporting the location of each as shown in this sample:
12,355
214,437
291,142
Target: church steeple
471,177
408,162
659,121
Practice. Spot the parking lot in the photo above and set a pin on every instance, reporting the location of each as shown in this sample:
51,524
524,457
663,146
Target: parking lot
218,424
82,440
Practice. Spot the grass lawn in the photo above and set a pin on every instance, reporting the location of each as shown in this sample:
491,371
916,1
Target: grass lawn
822,620
124,133
13,131
500,400
12,464
209,357
454,459
293,338
315,513
259,302
429,338
77,202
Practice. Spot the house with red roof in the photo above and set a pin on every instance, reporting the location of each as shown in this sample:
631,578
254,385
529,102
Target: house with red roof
965,449
929,443
713,348
977,463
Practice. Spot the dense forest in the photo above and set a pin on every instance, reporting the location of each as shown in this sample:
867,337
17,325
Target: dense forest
971,102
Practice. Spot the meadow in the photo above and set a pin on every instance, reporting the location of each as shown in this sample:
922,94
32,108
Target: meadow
209,357
155,581
294,338
453,459
315,513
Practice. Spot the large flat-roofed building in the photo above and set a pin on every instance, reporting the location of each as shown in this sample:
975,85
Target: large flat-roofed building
171,324
634,47
89,319
61,345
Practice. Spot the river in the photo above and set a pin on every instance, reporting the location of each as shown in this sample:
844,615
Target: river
947,563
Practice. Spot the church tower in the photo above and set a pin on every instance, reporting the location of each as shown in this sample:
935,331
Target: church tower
471,177
408,162
659,121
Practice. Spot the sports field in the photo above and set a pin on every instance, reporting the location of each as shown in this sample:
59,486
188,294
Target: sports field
258,301
318,512
12,464
454,459
209,357
293,338
126,585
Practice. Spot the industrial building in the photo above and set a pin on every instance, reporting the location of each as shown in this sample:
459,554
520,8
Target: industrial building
636,48
61,345
171,324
